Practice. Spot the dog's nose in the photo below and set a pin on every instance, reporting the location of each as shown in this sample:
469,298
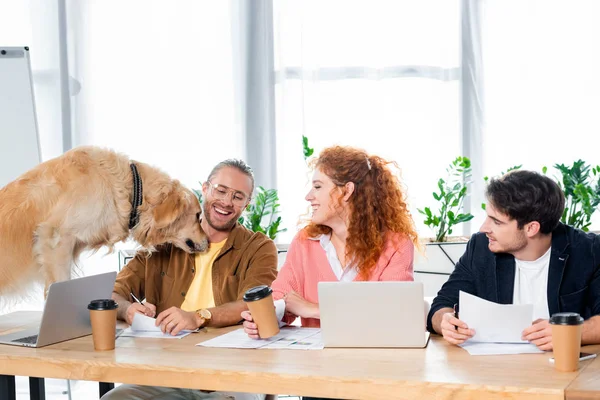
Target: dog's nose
190,243
197,247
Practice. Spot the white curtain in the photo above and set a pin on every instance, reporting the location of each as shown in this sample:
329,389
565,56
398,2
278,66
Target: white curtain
379,75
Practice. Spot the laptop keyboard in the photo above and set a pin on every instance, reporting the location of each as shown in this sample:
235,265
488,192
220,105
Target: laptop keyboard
29,339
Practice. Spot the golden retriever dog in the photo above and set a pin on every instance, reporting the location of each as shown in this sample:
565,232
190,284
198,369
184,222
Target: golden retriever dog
85,199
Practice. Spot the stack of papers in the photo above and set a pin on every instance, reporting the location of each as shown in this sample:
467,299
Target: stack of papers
498,327
145,327
288,338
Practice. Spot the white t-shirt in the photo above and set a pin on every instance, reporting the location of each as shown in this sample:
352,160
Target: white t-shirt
531,284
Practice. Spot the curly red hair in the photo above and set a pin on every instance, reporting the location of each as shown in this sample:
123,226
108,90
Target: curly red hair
377,206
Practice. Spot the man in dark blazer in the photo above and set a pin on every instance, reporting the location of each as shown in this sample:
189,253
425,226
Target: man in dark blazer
524,255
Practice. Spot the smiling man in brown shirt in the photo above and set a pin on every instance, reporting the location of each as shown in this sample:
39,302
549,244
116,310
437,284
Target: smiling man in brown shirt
188,291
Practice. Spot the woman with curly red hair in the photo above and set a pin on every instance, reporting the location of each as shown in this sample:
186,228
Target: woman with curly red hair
360,230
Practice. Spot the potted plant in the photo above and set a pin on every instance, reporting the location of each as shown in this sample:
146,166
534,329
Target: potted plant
581,186
261,213
442,252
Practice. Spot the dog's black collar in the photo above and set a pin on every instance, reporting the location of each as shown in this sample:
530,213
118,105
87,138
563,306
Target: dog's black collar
137,198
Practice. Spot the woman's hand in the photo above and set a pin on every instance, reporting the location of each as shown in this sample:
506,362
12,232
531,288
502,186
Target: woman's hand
249,326
297,305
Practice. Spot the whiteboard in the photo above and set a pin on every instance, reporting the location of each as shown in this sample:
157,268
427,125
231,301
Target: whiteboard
19,141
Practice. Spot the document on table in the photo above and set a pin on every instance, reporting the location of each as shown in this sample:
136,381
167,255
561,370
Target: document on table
145,327
288,338
488,349
498,327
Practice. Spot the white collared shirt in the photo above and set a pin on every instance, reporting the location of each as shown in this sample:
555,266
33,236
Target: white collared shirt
344,275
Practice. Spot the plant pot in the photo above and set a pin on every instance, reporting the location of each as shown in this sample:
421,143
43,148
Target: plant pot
437,262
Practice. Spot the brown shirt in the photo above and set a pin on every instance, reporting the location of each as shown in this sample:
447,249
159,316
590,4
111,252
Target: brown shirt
246,260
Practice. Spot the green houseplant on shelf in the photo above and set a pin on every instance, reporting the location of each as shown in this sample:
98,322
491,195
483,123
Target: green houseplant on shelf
581,185
441,254
452,193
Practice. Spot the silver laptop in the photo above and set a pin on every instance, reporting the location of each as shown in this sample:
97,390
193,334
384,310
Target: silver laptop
372,314
65,313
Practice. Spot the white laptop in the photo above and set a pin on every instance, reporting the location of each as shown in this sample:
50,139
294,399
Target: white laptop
65,315
372,314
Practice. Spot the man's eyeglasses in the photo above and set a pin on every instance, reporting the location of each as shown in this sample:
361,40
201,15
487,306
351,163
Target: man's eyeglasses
221,192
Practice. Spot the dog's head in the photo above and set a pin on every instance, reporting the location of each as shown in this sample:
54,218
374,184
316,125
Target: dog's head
176,220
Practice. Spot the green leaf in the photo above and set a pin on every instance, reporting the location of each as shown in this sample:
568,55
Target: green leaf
581,187
308,151
463,218
261,213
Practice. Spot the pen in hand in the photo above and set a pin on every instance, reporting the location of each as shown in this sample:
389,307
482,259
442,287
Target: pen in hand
135,298
456,315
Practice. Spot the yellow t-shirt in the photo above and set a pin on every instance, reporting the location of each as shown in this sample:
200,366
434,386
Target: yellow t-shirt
200,292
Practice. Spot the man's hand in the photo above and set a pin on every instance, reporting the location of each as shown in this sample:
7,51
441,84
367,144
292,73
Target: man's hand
297,305
147,309
454,330
540,334
174,320
249,326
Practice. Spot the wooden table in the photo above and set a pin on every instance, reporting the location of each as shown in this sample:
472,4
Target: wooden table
587,384
440,371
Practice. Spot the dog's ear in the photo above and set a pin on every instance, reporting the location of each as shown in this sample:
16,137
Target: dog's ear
167,212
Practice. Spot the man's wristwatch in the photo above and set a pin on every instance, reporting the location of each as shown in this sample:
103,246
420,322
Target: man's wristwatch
205,315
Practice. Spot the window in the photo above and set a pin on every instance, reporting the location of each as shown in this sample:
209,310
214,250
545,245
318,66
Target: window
541,83
380,75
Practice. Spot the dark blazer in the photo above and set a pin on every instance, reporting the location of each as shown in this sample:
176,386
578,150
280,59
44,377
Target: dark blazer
573,274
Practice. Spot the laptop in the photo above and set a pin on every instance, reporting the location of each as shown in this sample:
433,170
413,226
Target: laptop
372,314
65,313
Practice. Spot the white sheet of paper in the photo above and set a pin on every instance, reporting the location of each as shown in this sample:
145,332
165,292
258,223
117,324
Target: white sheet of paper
288,338
144,323
307,339
144,327
237,339
492,322
487,349
153,334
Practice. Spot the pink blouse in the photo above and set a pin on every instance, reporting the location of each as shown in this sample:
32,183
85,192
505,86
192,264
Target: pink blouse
306,265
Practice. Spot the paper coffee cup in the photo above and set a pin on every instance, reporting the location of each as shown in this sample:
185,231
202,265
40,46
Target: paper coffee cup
260,303
103,315
566,340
